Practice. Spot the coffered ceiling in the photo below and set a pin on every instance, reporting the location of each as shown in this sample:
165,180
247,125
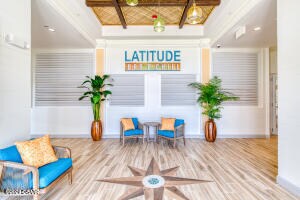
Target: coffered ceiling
114,12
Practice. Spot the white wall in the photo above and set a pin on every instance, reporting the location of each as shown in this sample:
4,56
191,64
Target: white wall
237,121
248,121
60,121
288,94
153,110
15,70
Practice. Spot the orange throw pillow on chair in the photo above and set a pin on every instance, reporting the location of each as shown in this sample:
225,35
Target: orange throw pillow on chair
127,124
37,152
167,124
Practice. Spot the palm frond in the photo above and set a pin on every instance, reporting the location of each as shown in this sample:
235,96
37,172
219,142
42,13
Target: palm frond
211,96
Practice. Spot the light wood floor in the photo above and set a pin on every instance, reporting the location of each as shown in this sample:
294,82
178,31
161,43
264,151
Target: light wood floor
243,169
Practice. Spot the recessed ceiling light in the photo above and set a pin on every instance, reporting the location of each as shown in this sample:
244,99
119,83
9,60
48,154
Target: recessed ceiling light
257,28
51,29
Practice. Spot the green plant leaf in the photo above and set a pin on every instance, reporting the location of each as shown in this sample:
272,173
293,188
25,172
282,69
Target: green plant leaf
82,97
211,97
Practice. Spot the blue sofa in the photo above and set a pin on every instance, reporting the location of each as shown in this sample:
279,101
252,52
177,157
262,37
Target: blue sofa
179,132
18,176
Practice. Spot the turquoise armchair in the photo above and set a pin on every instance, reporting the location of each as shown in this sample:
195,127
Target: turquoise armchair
16,176
179,132
137,133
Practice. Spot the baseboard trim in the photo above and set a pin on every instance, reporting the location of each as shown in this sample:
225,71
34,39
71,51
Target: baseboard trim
113,136
294,189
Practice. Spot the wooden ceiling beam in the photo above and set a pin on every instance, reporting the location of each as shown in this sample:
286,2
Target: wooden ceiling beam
184,14
93,3
120,14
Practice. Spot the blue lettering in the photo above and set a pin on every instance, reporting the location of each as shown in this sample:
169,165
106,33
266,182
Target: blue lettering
177,56
126,58
152,52
142,55
169,56
160,59
135,57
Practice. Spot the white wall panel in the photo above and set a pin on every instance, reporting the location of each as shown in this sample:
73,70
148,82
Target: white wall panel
58,75
288,95
242,120
15,73
175,90
65,119
153,110
239,74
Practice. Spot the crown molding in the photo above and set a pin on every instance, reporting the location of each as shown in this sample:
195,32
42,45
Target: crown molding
201,43
147,31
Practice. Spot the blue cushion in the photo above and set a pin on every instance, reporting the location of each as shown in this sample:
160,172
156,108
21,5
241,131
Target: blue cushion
10,154
50,172
135,122
178,122
133,132
169,134
47,174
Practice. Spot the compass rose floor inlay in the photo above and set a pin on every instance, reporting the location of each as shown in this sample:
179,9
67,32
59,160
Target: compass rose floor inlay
153,183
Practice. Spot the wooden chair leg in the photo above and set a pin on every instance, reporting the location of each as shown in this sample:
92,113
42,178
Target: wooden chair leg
143,139
184,141
70,177
174,144
137,139
123,141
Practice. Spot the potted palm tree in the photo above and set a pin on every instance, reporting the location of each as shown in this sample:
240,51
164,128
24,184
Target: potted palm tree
97,94
211,97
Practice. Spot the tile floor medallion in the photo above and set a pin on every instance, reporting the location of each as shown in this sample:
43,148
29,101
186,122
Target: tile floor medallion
153,183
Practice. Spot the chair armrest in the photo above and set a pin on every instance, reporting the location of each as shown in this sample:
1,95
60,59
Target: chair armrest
140,125
179,127
62,152
25,169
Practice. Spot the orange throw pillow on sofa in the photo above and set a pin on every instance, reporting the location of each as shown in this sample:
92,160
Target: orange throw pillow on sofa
37,152
127,124
167,124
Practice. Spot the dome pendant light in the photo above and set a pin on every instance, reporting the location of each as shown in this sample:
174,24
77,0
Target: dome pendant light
132,2
194,15
159,24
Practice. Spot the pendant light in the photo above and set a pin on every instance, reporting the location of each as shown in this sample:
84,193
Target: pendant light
132,2
194,15
159,23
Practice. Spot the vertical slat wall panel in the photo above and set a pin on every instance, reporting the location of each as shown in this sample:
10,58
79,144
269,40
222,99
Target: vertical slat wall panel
57,76
127,90
175,90
239,74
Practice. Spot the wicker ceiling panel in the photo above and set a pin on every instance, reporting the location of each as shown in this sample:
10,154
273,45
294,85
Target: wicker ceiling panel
155,1
107,15
143,15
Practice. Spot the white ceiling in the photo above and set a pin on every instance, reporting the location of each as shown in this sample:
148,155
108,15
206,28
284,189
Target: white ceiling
65,35
77,27
263,15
